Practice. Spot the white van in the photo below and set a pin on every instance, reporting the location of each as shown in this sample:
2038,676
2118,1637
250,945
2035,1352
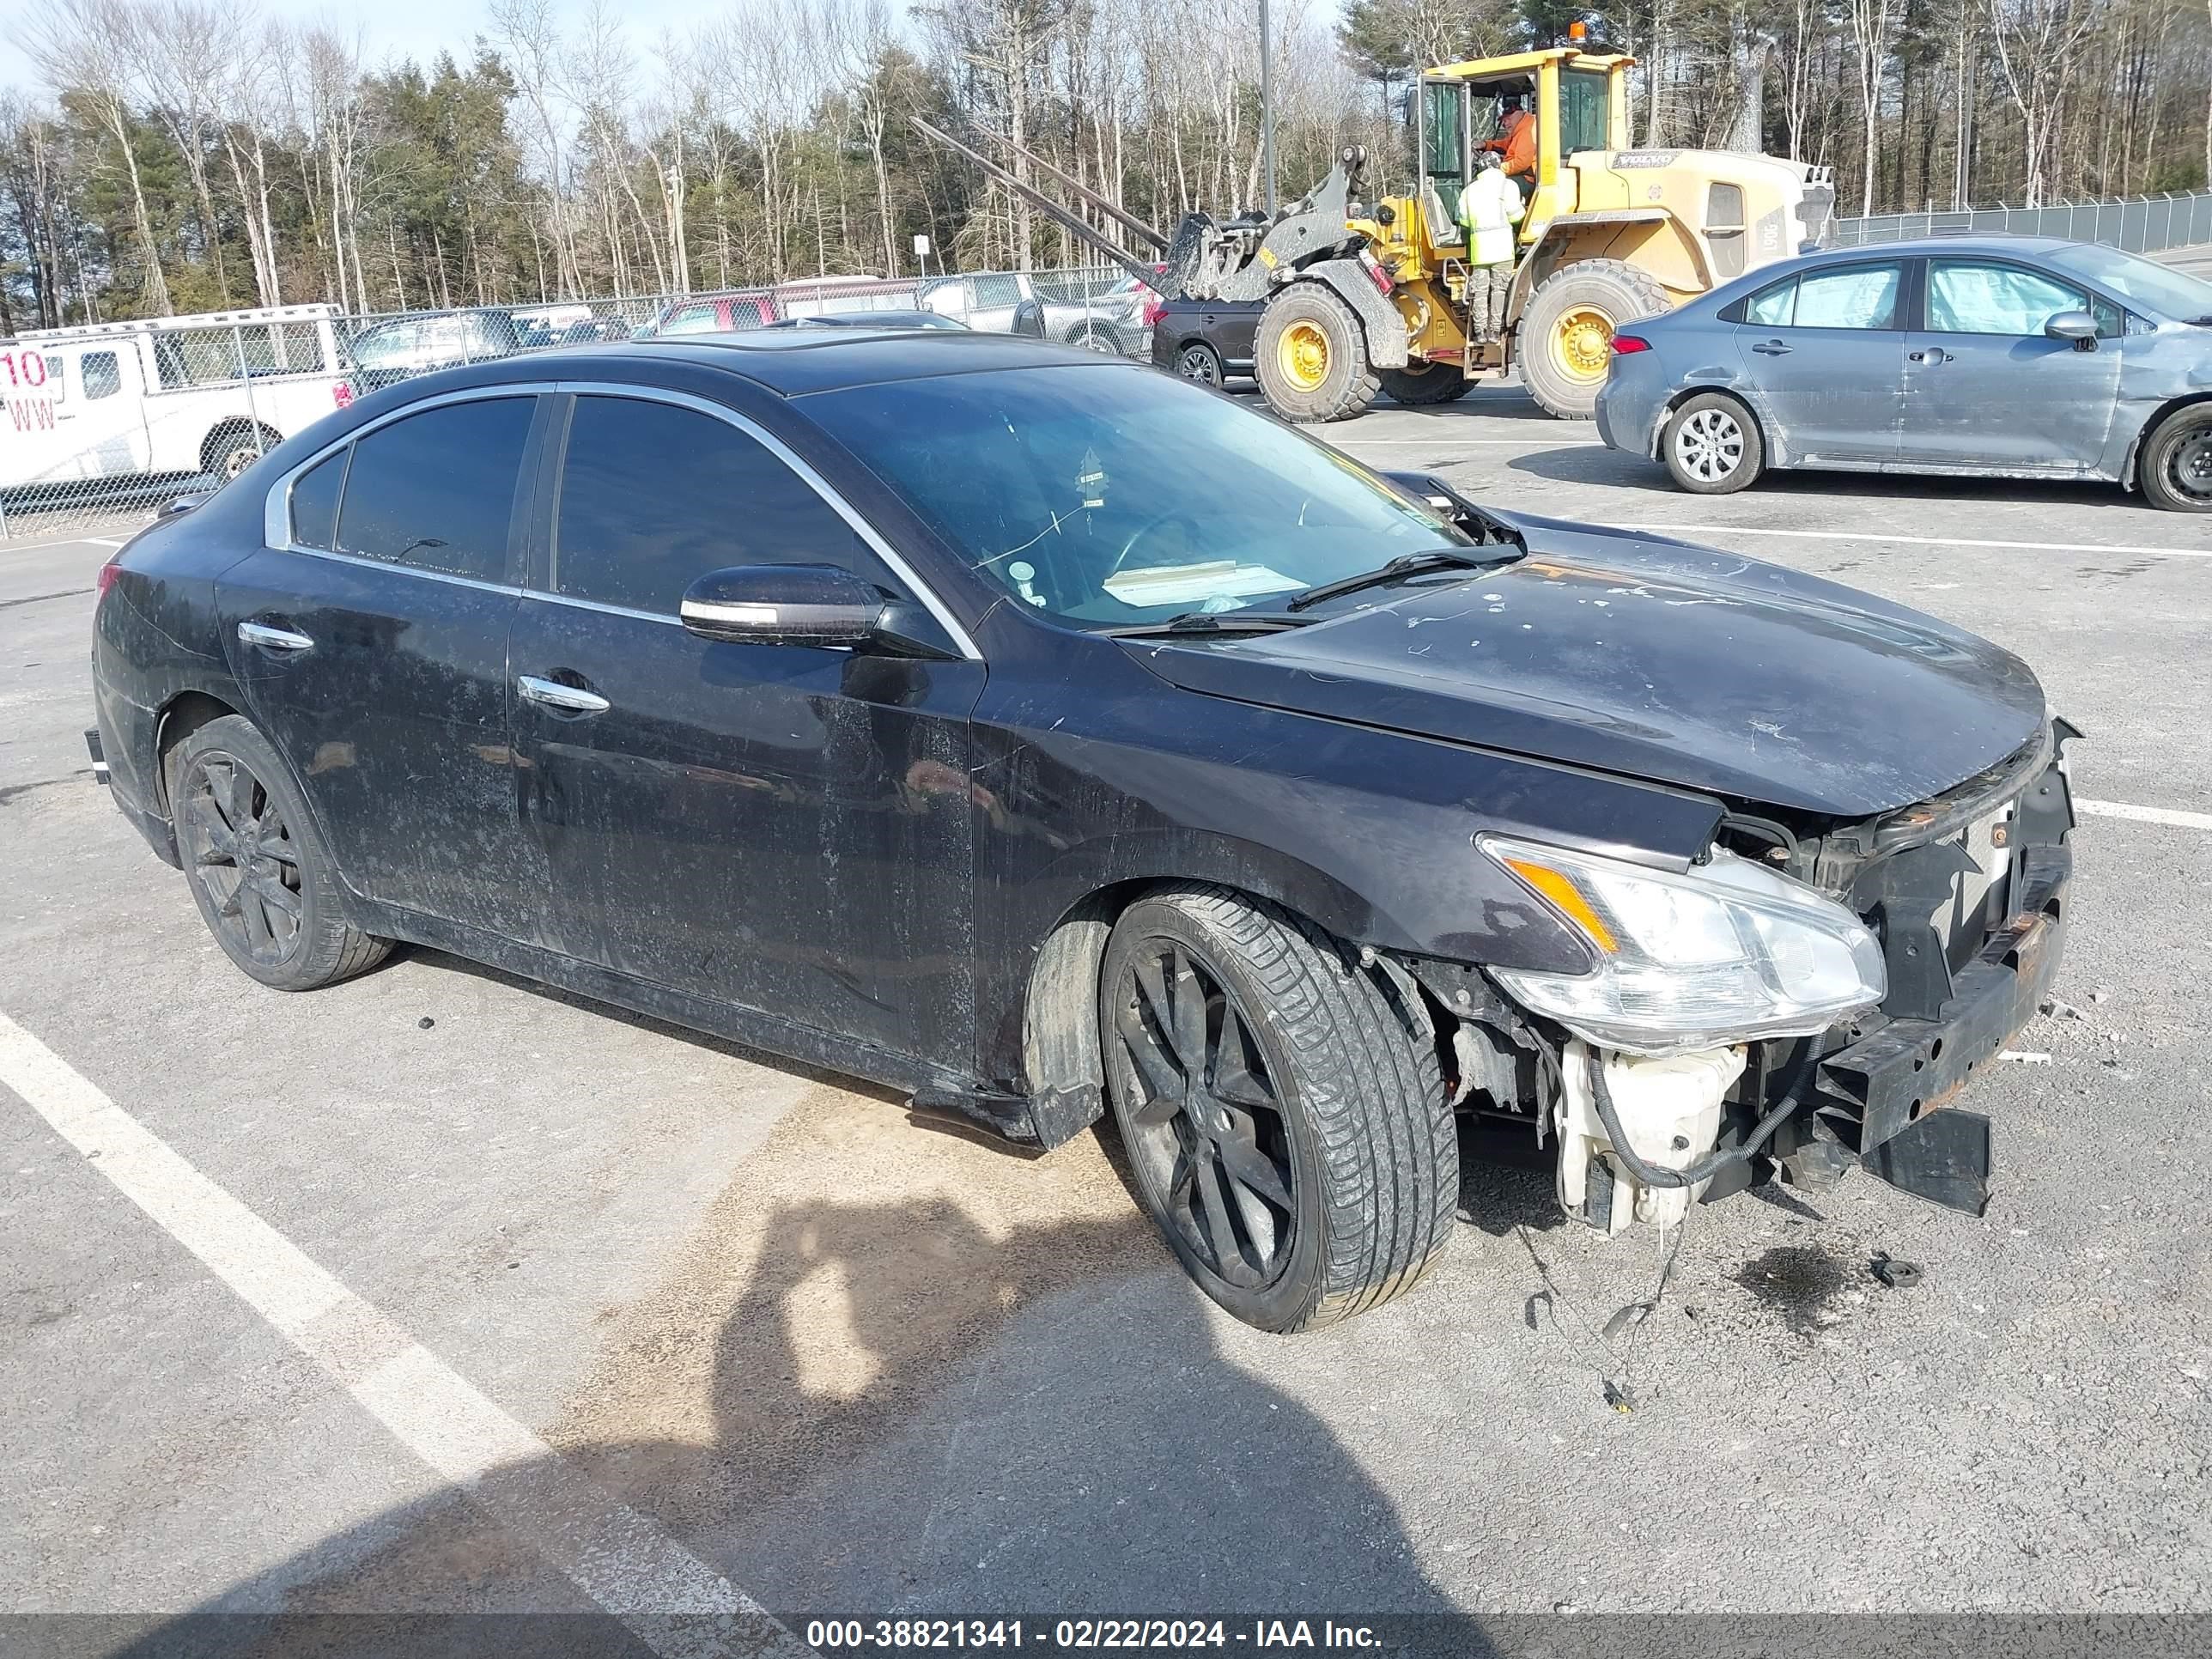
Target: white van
171,397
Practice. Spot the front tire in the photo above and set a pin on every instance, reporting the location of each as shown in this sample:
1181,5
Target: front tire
1282,1106
1711,445
1564,341
1432,383
265,885
2176,468
1310,356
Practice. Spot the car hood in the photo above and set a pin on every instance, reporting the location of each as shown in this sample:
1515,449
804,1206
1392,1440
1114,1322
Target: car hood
1656,659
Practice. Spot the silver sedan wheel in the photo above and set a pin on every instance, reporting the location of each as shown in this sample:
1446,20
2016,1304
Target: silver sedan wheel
1708,444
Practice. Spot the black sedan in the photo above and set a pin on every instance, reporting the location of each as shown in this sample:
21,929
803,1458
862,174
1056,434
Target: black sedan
1045,737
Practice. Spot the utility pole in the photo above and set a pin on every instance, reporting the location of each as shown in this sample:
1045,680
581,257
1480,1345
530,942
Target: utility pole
1267,108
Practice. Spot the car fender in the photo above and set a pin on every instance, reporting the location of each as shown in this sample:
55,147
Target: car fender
1716,378
1386,329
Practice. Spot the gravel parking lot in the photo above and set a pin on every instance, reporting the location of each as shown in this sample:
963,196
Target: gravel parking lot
764,1325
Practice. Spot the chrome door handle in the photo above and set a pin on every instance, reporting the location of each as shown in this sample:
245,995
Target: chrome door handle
554,694
274,639
1772,349
1936,355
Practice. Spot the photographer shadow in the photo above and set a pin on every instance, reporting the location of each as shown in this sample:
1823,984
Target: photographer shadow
895,1373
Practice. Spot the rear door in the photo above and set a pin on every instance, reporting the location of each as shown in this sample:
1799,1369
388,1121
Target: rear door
1985,387
1825,352
784,827
372,647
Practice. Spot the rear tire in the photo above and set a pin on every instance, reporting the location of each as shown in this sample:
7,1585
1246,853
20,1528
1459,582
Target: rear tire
265,885
228,452
1711,445
1432,383
1564,341
1202,362
1282,1107
1310,356
2175,470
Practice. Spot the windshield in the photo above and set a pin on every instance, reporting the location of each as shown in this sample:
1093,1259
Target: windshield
1108,497
2155,287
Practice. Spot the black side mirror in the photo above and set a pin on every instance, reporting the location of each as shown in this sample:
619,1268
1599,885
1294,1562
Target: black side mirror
783,605
2079,326
177,504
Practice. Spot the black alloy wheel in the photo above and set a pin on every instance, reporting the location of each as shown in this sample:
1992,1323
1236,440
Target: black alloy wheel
1201,363
265,885
239,853
1210,1133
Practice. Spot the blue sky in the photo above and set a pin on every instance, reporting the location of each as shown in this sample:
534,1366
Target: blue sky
393,28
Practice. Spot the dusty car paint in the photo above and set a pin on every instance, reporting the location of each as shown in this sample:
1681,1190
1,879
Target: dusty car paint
1910,400
900,867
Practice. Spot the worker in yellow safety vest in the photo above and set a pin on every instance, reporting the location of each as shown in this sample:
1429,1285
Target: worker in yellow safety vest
1489,208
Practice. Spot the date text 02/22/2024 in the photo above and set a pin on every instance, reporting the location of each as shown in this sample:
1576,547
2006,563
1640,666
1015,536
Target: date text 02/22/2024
1084,1635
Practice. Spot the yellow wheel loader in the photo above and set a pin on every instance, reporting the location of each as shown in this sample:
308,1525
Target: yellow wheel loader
1362,298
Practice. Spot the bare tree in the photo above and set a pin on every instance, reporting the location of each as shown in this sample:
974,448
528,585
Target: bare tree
2036,43
86,46
1873,26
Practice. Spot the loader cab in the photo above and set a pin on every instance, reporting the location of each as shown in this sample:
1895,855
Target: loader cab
1580,102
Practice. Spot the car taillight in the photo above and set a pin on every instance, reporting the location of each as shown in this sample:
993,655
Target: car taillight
1154,307
1624,344
104,577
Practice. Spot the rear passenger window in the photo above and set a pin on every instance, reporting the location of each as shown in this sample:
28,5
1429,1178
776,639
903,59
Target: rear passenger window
1860,296
1773,308
436,490
653,496
102,375
315,502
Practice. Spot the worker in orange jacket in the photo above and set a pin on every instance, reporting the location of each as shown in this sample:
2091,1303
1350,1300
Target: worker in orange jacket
1516,141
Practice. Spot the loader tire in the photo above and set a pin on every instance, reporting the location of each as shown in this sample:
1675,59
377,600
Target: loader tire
1311,357
1432,383
1564,341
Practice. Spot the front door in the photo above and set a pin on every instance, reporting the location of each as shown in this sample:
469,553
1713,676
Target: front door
1825,352
782,828
1986,387
372,651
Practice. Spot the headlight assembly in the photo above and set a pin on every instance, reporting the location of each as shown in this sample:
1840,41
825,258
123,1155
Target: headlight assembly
1727,951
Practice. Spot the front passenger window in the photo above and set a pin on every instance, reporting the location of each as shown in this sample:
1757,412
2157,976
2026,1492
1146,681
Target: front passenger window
436,490
1974,299
654,496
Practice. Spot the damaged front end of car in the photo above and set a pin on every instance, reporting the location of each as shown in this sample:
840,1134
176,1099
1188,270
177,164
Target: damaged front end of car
1805,999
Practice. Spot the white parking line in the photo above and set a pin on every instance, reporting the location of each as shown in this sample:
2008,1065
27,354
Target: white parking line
1914,541
616,1556
2120,809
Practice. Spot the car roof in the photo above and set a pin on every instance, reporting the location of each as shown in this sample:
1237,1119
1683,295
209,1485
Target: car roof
793,362
1986,242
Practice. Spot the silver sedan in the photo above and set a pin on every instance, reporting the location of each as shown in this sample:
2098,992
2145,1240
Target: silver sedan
2002,356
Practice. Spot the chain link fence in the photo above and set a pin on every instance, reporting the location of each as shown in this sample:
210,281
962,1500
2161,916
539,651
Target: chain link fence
2140,224
105,422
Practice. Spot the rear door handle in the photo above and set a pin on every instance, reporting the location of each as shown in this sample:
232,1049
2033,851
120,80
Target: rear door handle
274,639
1772,349
554,694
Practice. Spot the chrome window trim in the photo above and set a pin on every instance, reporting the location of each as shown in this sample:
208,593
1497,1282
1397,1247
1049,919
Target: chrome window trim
276,505
867,533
